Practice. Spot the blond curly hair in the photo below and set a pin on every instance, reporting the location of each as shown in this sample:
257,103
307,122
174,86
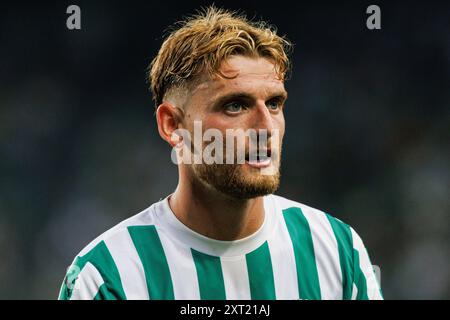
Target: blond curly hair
201,42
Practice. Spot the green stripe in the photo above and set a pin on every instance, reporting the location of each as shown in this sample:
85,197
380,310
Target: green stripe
360,279
260,273
209,275
102,260
151,252
305,261
344,241
103,294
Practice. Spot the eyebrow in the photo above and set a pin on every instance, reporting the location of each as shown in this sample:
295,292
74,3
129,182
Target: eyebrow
245,96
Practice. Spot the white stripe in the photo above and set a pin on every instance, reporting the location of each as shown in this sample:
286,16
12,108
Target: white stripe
373,290
181,267
326,253
283,262
235,276
127,260
354,292
87,284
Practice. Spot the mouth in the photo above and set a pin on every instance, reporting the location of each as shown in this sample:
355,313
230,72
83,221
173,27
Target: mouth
259,159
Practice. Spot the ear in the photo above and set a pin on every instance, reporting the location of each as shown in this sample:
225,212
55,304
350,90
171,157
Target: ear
169,118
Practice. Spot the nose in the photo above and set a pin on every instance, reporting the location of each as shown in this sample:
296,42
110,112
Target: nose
263,119
263,123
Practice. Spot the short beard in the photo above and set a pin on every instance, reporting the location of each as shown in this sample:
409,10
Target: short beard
229,180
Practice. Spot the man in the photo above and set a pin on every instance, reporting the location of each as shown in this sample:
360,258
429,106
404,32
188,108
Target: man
222,234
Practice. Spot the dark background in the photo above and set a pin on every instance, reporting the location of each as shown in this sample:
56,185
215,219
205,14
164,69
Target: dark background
367,137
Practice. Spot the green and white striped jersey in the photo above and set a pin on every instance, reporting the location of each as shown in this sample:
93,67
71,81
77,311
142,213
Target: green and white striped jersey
298,253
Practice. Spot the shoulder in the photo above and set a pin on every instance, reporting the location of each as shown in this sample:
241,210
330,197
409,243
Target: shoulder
332,237
324,228
95,270
316,217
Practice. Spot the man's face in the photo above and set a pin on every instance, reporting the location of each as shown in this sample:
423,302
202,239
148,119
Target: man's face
251,97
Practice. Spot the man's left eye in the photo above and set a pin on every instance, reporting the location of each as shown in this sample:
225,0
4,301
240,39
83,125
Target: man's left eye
273,105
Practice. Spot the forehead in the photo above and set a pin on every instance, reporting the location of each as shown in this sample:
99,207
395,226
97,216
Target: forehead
256,76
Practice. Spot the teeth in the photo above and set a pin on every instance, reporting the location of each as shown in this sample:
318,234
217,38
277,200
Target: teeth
257,157
263,157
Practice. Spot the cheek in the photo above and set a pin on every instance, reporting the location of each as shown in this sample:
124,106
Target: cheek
220,123
280,125
282,130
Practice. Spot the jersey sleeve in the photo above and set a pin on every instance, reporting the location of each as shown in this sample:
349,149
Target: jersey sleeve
365,283
93,275
82,282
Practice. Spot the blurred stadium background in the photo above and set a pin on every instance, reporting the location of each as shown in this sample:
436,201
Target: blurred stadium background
368,121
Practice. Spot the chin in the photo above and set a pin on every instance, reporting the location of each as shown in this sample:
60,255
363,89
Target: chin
251,185
237,182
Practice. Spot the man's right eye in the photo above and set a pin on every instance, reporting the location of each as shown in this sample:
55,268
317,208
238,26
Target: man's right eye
234,107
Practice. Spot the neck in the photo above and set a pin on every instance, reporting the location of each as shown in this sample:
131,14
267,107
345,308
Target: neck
213,214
